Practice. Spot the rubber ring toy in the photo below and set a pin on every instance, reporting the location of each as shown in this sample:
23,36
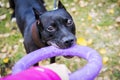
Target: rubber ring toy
88,72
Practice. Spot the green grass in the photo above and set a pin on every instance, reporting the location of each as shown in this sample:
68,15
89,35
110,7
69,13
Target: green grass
3,29
106,20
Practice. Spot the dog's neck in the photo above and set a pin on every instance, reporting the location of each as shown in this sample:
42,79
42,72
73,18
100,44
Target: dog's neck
36,37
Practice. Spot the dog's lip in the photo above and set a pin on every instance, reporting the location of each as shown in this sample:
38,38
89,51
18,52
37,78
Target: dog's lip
52,44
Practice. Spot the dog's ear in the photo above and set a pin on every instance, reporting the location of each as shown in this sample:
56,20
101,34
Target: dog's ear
36,13
37,17
60,5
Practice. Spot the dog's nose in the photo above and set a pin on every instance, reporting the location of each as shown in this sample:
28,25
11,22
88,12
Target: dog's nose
68,42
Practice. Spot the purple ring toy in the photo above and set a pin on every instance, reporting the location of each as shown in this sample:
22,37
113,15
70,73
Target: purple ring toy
88,72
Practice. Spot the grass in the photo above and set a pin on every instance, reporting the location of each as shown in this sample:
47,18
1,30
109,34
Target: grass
101,30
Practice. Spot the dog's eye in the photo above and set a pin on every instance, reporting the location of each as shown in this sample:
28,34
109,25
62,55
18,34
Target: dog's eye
69,22
51,29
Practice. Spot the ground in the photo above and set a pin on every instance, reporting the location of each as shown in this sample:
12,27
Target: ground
96,26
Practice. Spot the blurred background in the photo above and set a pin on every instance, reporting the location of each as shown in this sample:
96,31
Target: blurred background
97,26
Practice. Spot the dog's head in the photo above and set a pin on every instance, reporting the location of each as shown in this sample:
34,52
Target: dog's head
56,27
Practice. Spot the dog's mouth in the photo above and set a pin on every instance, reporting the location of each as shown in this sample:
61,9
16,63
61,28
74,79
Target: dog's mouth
59,45
51,43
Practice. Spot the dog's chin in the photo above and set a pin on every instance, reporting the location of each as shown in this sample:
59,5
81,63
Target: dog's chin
68,57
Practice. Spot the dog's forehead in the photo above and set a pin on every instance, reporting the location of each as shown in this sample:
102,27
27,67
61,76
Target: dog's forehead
55,14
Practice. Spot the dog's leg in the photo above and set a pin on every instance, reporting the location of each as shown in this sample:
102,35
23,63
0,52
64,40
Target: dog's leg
12,6
26,48
52,60
29,49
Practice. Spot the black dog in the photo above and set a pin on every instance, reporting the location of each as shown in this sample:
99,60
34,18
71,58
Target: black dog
41,28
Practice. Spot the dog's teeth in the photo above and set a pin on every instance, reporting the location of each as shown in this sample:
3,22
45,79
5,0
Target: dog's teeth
52,44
